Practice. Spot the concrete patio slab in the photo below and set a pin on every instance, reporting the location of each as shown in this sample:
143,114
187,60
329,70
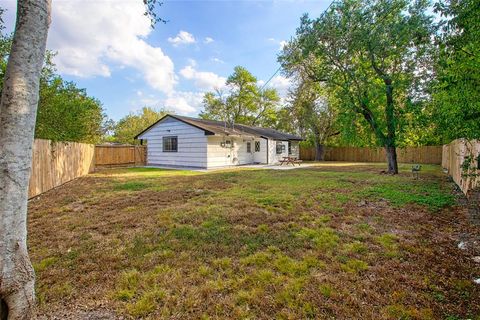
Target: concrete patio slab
246,166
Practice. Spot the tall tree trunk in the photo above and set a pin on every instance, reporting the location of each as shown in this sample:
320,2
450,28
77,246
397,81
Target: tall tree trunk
18,108
391,152
319,151
391,136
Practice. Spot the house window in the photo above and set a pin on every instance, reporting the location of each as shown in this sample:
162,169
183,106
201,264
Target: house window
280,147
249,147
170,144
257,146
289,147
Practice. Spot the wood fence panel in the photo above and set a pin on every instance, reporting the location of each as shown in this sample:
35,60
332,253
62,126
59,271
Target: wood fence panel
453,156
55,163
424,155
120,155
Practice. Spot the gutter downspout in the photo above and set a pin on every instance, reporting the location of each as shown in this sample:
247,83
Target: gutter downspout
268,151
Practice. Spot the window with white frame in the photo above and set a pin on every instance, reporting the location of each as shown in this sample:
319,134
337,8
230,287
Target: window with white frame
170,144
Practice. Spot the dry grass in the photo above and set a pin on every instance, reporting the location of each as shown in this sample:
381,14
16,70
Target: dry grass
322,242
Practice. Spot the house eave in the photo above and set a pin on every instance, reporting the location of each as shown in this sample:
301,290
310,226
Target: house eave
207,132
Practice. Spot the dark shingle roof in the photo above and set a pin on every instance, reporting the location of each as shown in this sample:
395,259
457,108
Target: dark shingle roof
213,127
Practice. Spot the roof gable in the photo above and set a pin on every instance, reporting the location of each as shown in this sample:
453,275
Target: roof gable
170,116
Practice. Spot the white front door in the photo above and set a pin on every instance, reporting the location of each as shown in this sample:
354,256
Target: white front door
234,152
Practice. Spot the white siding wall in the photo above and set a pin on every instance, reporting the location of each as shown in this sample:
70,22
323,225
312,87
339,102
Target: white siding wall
273,157
192,144
218,156
295,149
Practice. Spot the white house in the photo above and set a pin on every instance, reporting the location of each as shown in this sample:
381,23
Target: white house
179,141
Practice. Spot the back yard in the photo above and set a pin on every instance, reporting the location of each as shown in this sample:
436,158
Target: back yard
331,241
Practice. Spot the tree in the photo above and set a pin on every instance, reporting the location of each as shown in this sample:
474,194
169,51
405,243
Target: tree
374,55
243,102
18,106
315,112
5,46
65,112
129,126
456,98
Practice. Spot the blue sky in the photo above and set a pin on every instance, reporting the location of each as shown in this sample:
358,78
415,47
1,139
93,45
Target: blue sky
108,48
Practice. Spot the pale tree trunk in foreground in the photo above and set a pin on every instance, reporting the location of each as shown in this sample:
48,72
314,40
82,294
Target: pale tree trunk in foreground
18,108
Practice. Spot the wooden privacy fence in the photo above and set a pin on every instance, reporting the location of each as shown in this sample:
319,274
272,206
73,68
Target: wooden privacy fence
454,155
425,154
111,155
55,163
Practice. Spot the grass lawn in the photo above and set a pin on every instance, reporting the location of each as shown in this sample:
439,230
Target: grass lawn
331,241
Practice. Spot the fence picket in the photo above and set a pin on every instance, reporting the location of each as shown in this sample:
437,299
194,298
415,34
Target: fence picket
424,155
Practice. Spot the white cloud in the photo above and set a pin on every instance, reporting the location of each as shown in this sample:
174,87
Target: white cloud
183,37
203,80
282,44
179,102
208,40
217,60
192,62
184,102
280,83
112,38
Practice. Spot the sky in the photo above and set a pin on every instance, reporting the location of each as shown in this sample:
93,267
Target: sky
109,48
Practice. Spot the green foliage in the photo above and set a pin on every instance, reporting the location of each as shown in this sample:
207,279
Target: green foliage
5,44
456,98
313,110
129,126
368,55
65,112
243,103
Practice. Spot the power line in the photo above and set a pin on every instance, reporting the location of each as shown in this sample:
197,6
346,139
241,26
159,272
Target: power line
280,68
273,75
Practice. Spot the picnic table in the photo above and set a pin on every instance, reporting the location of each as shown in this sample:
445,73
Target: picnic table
290,160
